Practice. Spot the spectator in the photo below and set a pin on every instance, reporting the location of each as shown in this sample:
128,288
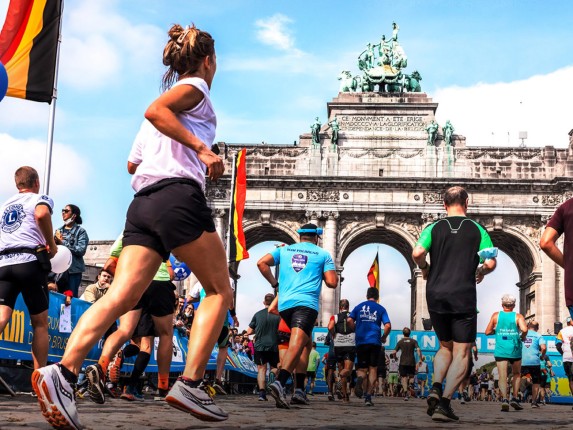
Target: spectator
75,238
96,291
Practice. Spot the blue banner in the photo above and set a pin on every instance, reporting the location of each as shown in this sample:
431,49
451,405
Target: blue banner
16,340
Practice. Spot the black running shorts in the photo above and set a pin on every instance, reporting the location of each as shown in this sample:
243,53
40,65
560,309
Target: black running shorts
300,317
368,356
223,339
264,357
404,370
460,328
158,300
344,353
533,371
145,326
30,280
568,370
166,215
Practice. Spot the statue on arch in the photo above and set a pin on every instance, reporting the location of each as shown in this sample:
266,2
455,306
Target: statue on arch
315,129
335,127
448,131
432,130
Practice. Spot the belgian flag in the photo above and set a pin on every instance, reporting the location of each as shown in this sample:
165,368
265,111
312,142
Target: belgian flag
29,48
374,274
237,242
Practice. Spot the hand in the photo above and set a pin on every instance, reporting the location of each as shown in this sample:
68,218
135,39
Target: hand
425,271
58,238
215,166
235,321
52,250
479,275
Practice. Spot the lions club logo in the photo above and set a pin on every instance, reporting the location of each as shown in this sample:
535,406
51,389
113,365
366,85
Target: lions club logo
12,218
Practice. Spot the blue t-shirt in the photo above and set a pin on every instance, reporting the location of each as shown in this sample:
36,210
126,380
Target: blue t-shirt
300,275
369,316
531,349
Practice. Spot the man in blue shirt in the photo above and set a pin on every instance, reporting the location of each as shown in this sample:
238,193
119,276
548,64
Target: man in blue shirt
303,267
366,319
534,347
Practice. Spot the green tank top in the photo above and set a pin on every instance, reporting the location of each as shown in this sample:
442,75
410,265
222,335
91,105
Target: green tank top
507,340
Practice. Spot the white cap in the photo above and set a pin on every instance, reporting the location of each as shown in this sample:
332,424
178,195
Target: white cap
508,300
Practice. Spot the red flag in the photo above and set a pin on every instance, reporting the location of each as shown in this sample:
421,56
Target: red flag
237,242
374,274
28,48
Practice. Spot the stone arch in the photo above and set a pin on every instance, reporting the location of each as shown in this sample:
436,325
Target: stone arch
257,232
391,235
519,248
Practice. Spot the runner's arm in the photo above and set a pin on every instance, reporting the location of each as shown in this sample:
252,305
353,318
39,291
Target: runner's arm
490,329
330,278
264,265
548,245
43,217
387,329
522,325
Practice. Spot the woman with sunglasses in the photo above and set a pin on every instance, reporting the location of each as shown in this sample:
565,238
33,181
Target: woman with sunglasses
75,238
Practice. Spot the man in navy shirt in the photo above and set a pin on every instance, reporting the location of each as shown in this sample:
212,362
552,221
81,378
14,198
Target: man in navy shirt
366,319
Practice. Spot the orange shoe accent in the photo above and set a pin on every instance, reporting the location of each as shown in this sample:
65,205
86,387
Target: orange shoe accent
51,414
104,363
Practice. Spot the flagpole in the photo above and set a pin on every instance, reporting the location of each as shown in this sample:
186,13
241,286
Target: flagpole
52,120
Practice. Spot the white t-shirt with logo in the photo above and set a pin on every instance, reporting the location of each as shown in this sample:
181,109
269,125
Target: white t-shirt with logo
565,336
18,228
160,157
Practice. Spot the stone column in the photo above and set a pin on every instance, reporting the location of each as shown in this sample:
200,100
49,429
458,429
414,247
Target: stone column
546,296
221,224
328,295
431,162
419,284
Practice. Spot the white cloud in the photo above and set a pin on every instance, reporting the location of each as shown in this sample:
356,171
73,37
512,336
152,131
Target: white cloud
274,31
16,114
486,113
69,170
100,46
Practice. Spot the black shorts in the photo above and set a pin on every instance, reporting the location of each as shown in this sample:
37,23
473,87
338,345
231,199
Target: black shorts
381,372
158,300
406,370
543,383
264,357
166,215
368,355
496,384
145,326
344,353
283,338
533,371
30,280
568,370
510,360
331,364
300,317
223,339
311,374
460,328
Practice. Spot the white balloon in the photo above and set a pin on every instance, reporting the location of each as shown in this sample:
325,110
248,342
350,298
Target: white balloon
62,260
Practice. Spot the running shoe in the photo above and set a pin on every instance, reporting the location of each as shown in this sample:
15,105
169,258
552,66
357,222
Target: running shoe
433,400
534,405
331,397
218,386
514,403
56,397
358,389
444,414
277,392
96,383
131,394
196,401
368,401
299,398
466,396
504,405
114,370
263,396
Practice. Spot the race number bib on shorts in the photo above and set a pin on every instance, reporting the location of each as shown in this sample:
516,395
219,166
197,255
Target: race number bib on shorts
298,262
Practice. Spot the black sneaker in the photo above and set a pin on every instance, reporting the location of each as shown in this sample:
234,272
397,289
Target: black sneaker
504,405
96,383
444,415
466,397
358,389
514,403
433,400
330,397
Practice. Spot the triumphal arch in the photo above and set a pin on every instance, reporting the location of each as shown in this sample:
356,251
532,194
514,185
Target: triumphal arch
375,171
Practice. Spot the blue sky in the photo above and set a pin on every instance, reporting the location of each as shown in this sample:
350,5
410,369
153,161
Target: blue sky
495,68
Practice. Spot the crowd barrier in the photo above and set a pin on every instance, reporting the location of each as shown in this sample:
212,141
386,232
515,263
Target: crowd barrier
16,340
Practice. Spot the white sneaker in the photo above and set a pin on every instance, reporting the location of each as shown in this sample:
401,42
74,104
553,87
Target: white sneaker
277,391
56,397
195,401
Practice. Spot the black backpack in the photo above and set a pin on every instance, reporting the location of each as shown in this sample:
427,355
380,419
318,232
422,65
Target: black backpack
341,325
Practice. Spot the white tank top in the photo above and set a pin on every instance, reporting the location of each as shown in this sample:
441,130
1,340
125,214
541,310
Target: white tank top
18,227
160,157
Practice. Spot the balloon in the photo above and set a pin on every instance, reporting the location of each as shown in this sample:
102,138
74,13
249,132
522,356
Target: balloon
180,270
62,260
3,81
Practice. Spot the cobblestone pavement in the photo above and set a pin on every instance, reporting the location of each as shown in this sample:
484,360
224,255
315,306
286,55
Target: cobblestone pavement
246,412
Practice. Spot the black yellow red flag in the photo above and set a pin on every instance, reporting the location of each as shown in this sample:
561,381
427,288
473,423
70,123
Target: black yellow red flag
29,46
374,274
237,242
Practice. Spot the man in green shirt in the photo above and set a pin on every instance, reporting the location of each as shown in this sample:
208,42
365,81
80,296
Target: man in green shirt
313,362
